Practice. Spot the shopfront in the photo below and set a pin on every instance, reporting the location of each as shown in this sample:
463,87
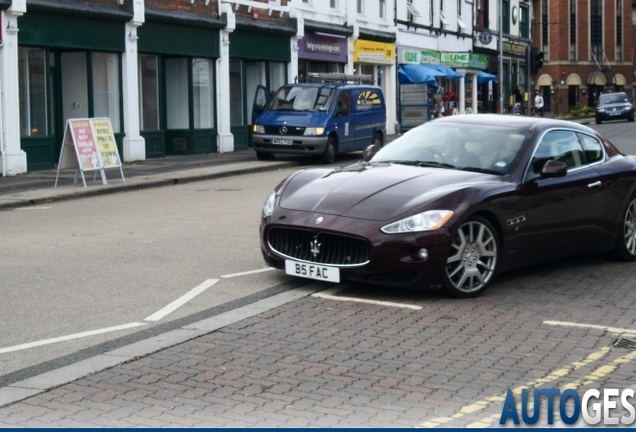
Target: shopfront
69,66
177,92
255,59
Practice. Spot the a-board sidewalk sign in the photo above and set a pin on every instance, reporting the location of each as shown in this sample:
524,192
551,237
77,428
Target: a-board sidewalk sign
89,145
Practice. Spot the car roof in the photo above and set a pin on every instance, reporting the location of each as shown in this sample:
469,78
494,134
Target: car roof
333,84
514,121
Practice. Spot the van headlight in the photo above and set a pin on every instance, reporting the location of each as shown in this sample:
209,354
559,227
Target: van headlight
314,131
258,129
268,208
426,221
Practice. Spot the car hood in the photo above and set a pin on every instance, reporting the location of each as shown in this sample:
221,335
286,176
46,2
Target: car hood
292,118
377,191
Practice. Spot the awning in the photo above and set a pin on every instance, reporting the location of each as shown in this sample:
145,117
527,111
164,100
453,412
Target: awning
485,77
415,74
445,71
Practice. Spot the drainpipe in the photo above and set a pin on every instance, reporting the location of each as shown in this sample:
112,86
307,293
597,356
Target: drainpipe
501,77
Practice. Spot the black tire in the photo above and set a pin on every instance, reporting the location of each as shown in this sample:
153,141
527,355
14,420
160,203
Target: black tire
625,248
377,140
598,120
630,119
264,156
329,155
473,259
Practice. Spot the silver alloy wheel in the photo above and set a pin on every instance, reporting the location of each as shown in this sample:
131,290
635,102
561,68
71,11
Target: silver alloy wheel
629,228
473,262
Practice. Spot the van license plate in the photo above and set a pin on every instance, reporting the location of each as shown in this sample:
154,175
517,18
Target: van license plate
312,271
281,141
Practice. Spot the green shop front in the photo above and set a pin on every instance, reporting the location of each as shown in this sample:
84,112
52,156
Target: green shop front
256,58
177,84
69,65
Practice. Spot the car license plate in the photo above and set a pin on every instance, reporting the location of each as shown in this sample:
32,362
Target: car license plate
281,141
312,271
614,113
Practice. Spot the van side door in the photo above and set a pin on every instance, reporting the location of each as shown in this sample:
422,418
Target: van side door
369,115
343,122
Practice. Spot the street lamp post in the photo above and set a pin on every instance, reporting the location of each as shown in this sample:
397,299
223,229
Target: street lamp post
501,77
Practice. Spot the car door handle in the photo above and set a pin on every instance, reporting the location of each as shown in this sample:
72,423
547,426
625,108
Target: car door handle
595,184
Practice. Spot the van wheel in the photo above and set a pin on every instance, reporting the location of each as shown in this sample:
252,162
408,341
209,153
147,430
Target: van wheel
377,139
264,156
329,156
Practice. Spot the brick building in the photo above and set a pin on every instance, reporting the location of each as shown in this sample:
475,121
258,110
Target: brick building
587,47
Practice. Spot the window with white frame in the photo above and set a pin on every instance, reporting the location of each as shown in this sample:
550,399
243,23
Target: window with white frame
333,4
411,11
360,6
382,9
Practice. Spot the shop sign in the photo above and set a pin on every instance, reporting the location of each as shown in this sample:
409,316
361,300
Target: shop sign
455,58
514,48
466,60
315,46
365,51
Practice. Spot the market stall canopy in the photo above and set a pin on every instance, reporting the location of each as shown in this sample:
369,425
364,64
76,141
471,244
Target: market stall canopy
415,74
445,71
484,77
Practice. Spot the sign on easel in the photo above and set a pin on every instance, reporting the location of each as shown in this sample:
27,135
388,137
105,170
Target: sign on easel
79,139
94,145
107,145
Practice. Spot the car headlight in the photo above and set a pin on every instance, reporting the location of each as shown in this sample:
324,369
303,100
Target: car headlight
258,129
268,208
601,110
426,221
314,131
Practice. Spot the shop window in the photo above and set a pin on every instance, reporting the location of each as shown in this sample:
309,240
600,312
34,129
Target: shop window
177,108
277,75
33,92
149,92
203,93
106,87
236,93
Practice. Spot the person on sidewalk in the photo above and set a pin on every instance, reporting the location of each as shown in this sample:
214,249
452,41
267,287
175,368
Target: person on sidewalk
538,104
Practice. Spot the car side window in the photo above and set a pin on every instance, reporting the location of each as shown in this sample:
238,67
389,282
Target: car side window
563,146
592,148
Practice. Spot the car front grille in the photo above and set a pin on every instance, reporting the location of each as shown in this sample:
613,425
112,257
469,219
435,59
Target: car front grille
288,130
324,248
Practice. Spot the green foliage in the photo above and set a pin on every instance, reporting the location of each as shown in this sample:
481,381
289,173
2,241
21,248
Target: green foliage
581,111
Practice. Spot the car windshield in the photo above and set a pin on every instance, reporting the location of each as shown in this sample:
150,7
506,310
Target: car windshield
481,148
302,98
612,98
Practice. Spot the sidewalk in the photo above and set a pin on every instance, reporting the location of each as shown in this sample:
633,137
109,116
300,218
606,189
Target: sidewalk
38,187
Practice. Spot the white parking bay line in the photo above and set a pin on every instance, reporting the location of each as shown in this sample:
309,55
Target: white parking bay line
245,273
181,300
329,295
594,326
69,337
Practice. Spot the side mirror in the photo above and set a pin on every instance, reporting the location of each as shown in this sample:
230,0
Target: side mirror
369,152
259,108
554,168
343,110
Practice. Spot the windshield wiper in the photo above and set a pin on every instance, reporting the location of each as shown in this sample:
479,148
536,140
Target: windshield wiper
481,170
420,163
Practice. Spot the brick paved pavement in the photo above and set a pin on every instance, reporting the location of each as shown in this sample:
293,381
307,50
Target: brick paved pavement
323,363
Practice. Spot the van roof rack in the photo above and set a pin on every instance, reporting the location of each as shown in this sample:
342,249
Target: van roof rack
339,78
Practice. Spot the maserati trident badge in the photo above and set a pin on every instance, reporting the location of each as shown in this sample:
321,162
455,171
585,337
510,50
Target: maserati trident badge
315,247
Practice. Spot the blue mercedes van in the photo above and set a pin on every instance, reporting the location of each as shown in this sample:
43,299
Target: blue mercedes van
318,118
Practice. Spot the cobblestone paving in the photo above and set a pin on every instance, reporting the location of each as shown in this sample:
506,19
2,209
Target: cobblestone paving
325,363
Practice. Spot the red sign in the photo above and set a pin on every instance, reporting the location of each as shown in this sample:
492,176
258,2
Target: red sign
85,144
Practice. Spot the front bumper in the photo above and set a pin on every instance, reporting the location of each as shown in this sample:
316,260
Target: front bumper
301,145
393,261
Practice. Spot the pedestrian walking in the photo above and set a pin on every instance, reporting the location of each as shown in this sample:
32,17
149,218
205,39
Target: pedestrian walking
538,104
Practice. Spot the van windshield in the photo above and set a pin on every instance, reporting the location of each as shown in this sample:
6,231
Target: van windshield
301,98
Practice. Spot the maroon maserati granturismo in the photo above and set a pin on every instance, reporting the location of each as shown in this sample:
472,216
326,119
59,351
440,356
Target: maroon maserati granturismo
454,202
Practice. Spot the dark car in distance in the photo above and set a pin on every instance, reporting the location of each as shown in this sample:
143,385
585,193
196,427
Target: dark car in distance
453,202
614,106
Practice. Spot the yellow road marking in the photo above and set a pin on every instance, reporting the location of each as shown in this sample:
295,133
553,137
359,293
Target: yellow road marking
552,376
